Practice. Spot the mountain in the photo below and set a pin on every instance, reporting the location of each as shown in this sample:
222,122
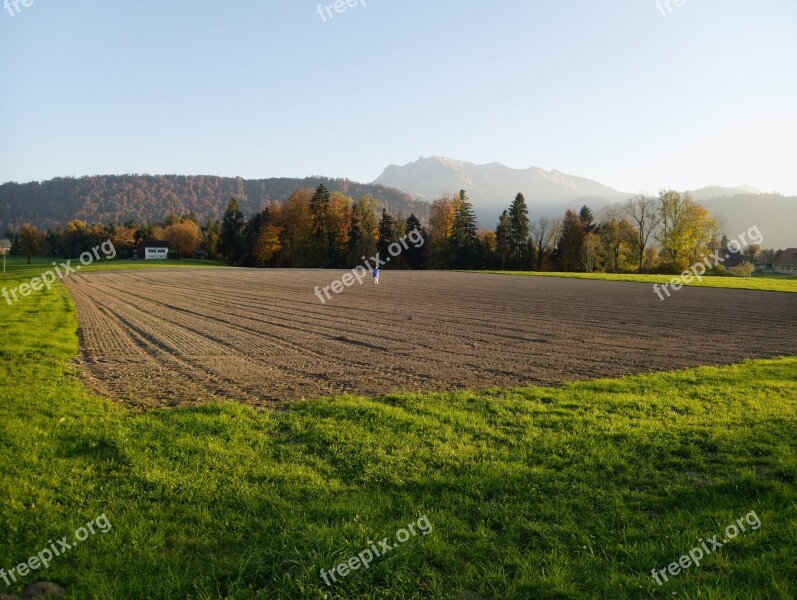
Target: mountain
119,198
492,187
773,214
717,191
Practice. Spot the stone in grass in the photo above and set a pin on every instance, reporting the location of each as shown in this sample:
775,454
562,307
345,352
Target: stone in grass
43,590
8,597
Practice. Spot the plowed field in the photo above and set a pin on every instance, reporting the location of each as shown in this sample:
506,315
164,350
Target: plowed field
177,337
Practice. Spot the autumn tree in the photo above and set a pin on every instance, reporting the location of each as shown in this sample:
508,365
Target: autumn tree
338,227
617,237
441,225
643,215
31,241
488,249
124,239
686,229
267,243
590,252
182,237
544,234
298,233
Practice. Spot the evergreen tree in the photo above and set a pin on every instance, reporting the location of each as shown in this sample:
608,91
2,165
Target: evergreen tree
230,239
415,256
387,228
587,219
364,231
465,240
568,251
503,239
519,233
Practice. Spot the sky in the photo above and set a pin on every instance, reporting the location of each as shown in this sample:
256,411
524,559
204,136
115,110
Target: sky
633,94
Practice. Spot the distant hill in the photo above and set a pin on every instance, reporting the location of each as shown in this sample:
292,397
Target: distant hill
717,191
773,214
119,198
492,187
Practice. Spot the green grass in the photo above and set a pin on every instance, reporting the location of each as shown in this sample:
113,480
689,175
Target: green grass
570,492
18,267
768,282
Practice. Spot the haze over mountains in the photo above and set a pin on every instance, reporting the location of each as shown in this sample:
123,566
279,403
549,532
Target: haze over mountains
492,187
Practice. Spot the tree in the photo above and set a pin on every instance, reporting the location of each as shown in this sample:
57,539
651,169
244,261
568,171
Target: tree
182,237
387,226
441,224
297,235
544,233
230,239
616,235
267,244
488,246
590,252
364,231
465,240
519,232
751,253
686,232
570,241
587,219
211,234
416,252
503,240
31,241
641,209
319,210
338,226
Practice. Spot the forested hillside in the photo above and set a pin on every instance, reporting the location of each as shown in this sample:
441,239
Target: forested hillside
120,198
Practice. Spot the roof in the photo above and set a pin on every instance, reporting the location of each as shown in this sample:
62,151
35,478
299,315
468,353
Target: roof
786,258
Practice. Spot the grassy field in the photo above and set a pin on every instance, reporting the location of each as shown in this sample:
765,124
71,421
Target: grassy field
570,492
769,282
17,266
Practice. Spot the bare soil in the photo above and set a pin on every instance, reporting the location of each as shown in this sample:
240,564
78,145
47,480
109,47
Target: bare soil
180,337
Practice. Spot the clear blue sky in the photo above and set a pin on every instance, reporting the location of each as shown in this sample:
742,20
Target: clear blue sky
611,90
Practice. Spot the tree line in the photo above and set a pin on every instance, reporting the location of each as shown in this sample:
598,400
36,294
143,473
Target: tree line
319,228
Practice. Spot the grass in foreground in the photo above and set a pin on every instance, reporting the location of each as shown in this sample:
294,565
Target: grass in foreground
769,283
572,492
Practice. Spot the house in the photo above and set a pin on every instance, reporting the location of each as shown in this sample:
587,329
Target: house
786,261
152,250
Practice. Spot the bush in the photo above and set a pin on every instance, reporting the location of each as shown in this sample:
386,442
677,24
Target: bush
743,270
718,270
